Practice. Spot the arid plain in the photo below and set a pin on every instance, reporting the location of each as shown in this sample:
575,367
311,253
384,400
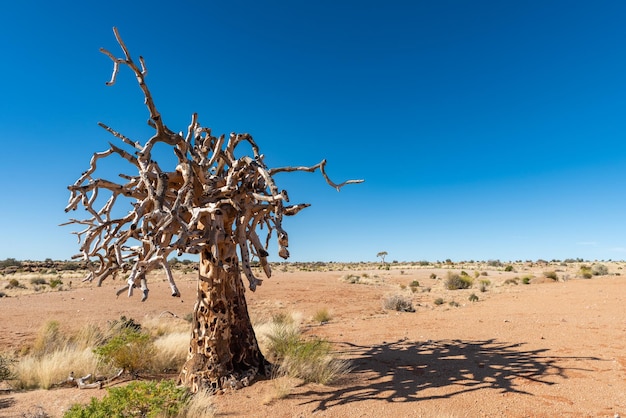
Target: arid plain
514,344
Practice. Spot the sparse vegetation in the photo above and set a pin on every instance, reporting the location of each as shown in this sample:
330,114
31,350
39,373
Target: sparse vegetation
398,302
55,282
295,355
10,262
439,301
599,270
551,275
484,284
322,316
514,281
14,284
585,272
473,297
130,350
137,399
38,281
458,281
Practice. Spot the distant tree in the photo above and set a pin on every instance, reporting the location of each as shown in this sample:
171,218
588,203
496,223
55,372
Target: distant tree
382,256
211,204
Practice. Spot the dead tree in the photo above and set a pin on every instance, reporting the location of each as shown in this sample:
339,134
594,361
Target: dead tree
213,204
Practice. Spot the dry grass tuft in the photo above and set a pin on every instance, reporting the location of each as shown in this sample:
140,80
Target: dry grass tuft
45,371
310,359
170,352
200,405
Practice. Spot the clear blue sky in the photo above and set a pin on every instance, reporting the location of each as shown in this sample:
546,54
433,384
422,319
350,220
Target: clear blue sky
483,129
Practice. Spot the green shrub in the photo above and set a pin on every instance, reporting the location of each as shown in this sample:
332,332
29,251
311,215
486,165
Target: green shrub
439,301
55,282
473,297
508,268
458,281
130,350
585,272
484,284
137,399
526,280
551,275
397,302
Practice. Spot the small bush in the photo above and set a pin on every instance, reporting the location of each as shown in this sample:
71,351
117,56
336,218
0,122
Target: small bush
14,284
439,301
508,268
130,350
458,281
398,303
526,280
484,284
137,399
585,272
55,282
38,281
322,316
433,276
351,278
599,270
308,359
551,275
454,304
511,281
473,298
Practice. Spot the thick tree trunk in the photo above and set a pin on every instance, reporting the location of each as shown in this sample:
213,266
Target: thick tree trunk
223,351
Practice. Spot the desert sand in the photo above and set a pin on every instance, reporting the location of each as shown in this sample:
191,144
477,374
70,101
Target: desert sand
543,349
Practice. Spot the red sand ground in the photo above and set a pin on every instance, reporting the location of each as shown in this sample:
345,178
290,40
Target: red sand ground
544,349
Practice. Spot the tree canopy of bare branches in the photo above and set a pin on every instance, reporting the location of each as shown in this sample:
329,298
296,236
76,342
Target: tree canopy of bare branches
180,211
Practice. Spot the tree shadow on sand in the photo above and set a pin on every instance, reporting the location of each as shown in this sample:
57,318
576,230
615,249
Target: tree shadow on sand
404,371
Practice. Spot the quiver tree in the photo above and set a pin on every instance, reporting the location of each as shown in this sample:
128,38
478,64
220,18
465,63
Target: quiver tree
212,204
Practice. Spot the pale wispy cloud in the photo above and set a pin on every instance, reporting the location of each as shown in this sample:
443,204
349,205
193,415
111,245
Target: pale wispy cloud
587,243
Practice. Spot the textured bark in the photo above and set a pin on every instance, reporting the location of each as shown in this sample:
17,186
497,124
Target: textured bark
223,351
